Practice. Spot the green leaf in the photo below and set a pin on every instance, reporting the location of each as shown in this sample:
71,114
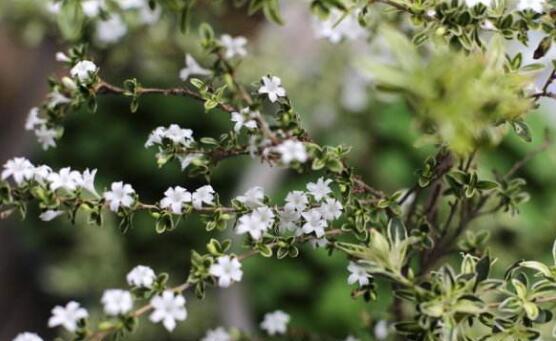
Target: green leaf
522,130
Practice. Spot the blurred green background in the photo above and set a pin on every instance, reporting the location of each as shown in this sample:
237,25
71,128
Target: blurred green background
44,264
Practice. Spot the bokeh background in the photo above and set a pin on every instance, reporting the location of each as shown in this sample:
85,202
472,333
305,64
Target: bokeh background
44,264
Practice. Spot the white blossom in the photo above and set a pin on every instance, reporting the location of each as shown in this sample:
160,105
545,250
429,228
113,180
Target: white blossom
272,87
288,219
155,137
49,215
110,31
83,71
339,26
351,338
291,150
318,242
314,222
41,173
381,330
227,269
120,195
91,8
233,46
54,7
253,197
130,4
19,169
179,135
331,209
533,5
149,16
357,274
67,316
297,200
203,195
117,302
244,118
141,276
217,334
275,322
33,119
27,336
62,57
265,215
473,3
320,189
46,136
69,83
251,224
65,179
87,181
186,160
55,98
168,308
192,68
174,198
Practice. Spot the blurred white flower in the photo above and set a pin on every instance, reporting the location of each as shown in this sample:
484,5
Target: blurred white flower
141,276
331,209
288,219
50,215
117,302
33,119
314,222
120,195
62,57
253,197
26,336
91,8
244,118
297,200
130,4
217,334
272,87
381,330
233,46
192,68
55,98
168,308
320,189
291,150
65,178
337,26
87,181
67,316
19,169
174,198
357,274
227,269
533,5
203,195
46,137
110,31
473,3
83,71
251,224
275,322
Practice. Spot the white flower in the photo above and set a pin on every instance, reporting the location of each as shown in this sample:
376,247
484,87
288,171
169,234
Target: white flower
533,5
297,200
66,179
19,168
381,330
265,215
179,135
130,4
26,336
351,338
227,269
54,7
46,137
33,119
87,181
141,276
55,98
186,160
233,46
288,219
331,209
91,8
244,118
120,195
41,173
357,274
62,57
50,215
320,189
168,308
275,322
218,334
83,71
291,150
111,30
202,195
67,316
149,16
174,199
318,242
473,3
338,26
272,87
251,224
192,68
155,137
253,197
117,302
314,222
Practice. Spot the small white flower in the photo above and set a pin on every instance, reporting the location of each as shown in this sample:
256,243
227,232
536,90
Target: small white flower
50,215
69,83
65,179
275,322
202,195
314,222
62,57
141,276
179,135
117,302
91,8
54,7
110,31
55,98
331,209
218,334
155,137
192,68
149,16
120,195
130,4
473,3
174,198
83,71
338,26
168,308
244,118
227,269
297,200
26,336
488,25
288,219
357,274
67,316
533,5
87,181
251,224
186,160
272,87
265,215
233,46
291,150
41,173
320,189
318,242
33,119
19,169
253,197
381,330
46,137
